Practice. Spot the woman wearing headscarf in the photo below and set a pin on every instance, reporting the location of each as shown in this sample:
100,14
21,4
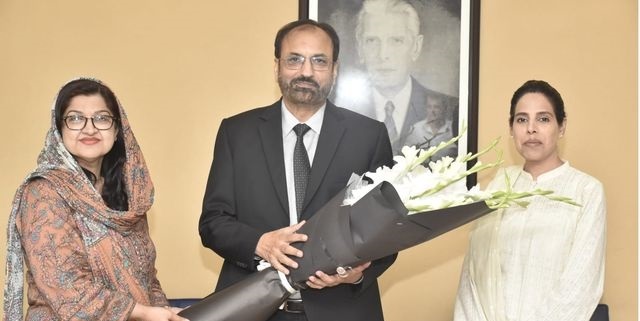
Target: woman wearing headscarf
79,223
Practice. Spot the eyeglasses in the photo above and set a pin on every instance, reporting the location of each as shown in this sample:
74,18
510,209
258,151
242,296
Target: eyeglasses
79,122
295,62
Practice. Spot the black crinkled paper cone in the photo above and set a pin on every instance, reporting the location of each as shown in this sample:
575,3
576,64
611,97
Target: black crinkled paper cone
255,298
375,226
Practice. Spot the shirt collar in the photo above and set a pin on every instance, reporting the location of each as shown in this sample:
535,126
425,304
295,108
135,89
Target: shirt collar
289,120
400,100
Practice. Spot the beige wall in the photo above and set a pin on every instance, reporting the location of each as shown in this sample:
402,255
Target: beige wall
179,67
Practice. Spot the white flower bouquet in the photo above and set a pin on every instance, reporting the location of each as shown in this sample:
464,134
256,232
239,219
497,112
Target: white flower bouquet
401,207
440,184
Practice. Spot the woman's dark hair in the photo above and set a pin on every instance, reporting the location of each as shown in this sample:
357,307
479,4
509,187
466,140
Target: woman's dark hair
335,41
114,191
541,87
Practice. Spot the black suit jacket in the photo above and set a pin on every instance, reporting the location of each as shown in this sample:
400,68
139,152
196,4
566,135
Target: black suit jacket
246,196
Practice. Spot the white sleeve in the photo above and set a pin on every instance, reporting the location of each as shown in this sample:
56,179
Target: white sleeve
581,284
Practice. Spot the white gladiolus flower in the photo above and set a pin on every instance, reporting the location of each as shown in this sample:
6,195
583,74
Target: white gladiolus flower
440,184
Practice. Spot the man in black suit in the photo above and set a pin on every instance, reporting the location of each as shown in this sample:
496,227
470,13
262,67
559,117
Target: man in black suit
250,209
389,42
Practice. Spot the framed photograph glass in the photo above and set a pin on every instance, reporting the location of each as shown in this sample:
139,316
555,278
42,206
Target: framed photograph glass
412,64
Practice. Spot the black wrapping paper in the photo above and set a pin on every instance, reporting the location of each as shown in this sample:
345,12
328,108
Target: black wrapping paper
375,226
254,298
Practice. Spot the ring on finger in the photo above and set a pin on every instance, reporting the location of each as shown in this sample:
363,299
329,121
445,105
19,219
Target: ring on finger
342,271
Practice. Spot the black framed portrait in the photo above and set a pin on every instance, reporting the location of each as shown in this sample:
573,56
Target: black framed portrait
412,64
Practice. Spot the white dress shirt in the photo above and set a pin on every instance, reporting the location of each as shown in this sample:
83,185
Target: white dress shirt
289,140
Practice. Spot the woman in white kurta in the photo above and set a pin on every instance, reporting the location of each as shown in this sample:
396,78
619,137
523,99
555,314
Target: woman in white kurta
546,261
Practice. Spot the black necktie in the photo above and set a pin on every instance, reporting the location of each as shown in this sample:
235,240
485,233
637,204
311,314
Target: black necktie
301,167
388,120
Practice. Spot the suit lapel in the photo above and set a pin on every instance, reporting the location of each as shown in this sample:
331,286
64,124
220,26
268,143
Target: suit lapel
330,135
271,137
417,110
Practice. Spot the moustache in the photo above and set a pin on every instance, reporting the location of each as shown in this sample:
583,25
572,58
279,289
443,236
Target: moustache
307,80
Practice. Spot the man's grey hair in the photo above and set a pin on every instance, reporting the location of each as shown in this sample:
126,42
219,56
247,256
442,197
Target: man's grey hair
389,6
